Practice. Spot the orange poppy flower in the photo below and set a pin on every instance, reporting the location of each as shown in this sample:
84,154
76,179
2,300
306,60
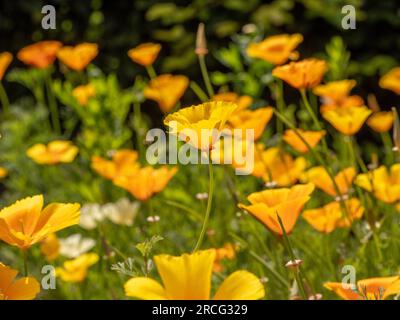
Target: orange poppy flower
124,162
280,167
350,101
40,54
242,101
26,222
55,152
391,80
320,177
366,289
146,181
311,137
381,121
5,60
347,120
83,93
76,270
78,57
228,251
251,119
383,184
331,216
50,247
276,49
145,54
166,90
288,203
335,91
3,172
303,74
22,289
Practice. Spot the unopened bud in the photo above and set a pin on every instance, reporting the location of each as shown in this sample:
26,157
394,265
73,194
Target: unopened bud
201,42
373,103
396,130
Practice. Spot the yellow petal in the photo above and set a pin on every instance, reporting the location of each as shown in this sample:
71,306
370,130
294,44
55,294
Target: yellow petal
144,288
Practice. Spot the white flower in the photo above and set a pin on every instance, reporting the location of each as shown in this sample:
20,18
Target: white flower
91,214
75,245
123,212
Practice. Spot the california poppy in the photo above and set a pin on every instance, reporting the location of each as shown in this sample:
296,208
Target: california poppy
391,80
83,93
347,120
227,251
26,222
381,121
276,49
50,247
242,101
303,74
76,270
78,57
40,54
287,203
311,137
335,91
346,102
55,152
145,54
166,90
188,277
3,172
5,60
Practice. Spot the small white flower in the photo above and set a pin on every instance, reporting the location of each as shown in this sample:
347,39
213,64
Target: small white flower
123,212
75,245
202,196
153,219
91,214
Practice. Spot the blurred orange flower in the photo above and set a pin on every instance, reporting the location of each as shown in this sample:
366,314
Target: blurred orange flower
350,101
55,152
391,80
228,251
145,54
311,137
83,93
251,119
78,57
124,162
242,101
50,247
76,270
26,222
366,289
303,74
40,54
146,181
320,177
166,90
3,172
331,216
22,289
5,60
276,49
335,91
383,184
347,120
381,121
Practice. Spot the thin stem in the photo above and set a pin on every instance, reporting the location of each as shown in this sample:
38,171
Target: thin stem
280,102
4,101
208,209
25,255
138,127
151,72
387,142
52,104
198,91
206,78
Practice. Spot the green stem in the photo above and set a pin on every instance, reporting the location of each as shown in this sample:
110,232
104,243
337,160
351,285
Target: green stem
151,72
206,78
52,105
208,209
25,255
280,103
387,142
138,127
4,101
198,91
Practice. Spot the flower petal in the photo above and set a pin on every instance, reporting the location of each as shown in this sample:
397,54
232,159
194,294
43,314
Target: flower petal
145,288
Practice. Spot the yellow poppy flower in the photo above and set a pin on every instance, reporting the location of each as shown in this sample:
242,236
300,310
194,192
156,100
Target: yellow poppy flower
55,152
331,216
145,182
76,270
40,54
78,57
367,289
201,125
311,137
350,101
276,49
335,91
381,121
391,80
145,54
242,101
124,162
347,120
5,60
251,119
383,184
50,247
3,172
83,93
166,90
228,251
22,289
281,168
288,203
303,74
320,177
26,222
188,277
